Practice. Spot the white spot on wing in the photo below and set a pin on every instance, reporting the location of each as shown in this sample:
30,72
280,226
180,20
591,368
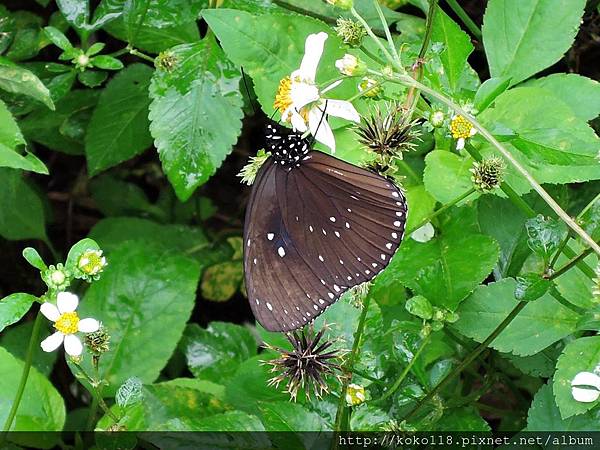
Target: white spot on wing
270,236
281,251
332,219
269,306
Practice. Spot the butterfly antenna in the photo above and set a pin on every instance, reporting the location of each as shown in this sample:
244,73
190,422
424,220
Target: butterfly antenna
247,90
313,138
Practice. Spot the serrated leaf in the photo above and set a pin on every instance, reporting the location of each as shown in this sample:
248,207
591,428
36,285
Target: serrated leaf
581,355
195,114
457,47
92,78
488,91
580,93
216,352
539,365
18,80
448,267
118,129
22,212
545,416
41,409
531,286
447,176
574,285
489,305
145,295
76,12
14,307
523,37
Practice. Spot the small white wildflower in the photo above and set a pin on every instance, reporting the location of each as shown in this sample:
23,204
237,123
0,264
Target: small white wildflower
67,323
350,65
355,394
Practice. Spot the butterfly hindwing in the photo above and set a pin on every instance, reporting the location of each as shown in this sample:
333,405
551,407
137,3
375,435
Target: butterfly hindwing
314,231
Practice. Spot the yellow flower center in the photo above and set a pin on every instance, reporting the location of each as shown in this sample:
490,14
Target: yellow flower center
67,323
90,263
283,97
460,127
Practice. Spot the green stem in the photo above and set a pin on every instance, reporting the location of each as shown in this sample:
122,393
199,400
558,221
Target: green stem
437,212
33,342
139,54
460,12
469,359
369,31
573,261
408,81
371,55
386,30
342,409
96,393
405,372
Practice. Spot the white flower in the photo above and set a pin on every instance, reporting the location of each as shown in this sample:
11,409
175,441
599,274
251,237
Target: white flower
300,102
67,323
350,65
461,129
585,387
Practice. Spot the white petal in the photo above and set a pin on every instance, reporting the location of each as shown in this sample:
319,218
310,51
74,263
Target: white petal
73,345
460,144
297,122
52,342
320,129
332,86
67,302
302,94
313,49
423,234
88,325
585,395
50,311
586,379
343,109
473,131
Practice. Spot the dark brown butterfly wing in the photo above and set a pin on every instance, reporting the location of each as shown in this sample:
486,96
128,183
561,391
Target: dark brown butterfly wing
313,232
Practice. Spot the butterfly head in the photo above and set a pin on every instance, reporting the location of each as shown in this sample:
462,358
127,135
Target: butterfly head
286,147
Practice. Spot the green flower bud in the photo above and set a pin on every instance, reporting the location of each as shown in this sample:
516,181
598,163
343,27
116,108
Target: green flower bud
437,119
355,394
370,87
57,277
90,265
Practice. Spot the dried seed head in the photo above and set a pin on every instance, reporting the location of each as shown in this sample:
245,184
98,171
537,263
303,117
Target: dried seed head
488,174
98,342
351,32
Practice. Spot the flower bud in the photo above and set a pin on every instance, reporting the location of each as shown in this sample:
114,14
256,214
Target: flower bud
488,174
90,264
82,61
342,4
56,277
370,87
437,119
350,65
166,61
355,394
350,32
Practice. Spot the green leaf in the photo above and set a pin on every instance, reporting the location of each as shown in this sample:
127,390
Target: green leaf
488,91
22,212
18,80
160,14
523,37
284,419
58,38
421,205
107,62
216,352
118,129
574,285
144,296
580,93
419,306
196,114
447,176
248,42
531,286
457,47
7,29
64,129
14,307
16,338
545,416
581,355
448,267
539,365
92,78
489,305
545,136
462,419
77,250
77,12
166,407
41,408
221,281
33,257
545,234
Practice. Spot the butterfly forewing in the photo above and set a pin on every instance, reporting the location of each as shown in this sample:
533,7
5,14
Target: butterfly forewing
314,230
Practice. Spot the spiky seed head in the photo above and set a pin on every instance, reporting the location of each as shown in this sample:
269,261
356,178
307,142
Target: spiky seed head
488,174
166,61
98,342
351,32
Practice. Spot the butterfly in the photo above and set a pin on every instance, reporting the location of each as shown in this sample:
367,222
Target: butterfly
315,227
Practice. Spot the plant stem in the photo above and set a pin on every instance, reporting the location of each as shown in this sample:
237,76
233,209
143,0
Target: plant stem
369,31
460,12
406,371
408,81
33,340
386,30
139,54
371,55
437,212
96,393
570,263
342,409
469,359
